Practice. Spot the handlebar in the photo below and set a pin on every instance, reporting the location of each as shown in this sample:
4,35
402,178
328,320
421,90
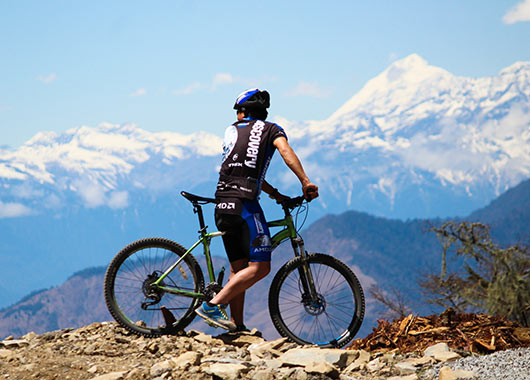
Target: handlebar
293,203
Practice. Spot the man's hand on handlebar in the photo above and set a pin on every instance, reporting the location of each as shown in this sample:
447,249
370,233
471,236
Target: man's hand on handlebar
279,197
310,191
292,203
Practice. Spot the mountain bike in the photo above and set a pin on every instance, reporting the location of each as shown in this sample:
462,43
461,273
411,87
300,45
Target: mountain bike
153,286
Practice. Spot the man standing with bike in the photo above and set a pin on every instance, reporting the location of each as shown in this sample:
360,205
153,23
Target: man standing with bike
248,147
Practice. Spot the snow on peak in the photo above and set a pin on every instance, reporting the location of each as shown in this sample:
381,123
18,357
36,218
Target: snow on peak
401,83
420,117
515,68
412,122
411,61
412,69
100,154
413,64
42,138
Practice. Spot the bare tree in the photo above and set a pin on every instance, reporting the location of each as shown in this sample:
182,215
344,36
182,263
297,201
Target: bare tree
394,301
492,279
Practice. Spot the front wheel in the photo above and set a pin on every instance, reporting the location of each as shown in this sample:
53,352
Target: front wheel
146,309
330,318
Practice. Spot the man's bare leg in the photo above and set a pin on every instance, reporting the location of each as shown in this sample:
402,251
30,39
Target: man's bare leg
237,303
241,281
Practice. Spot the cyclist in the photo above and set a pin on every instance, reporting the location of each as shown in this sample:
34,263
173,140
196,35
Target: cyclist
248,147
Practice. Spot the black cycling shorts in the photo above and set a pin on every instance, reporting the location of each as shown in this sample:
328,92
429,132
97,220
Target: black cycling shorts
247,235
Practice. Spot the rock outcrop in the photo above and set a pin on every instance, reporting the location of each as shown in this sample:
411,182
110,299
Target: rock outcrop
105,351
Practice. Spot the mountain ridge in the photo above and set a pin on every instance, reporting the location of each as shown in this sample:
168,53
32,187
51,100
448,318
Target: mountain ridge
70,200
412,129
381,251
509,209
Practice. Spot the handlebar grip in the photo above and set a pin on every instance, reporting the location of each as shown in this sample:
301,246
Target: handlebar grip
292,203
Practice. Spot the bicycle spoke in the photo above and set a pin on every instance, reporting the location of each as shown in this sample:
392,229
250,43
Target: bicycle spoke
331,322
329,314
132,298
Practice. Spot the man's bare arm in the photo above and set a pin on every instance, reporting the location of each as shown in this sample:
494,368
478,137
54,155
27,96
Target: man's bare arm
291,160
273,192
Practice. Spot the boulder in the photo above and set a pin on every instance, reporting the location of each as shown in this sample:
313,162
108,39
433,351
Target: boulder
160,368
436,349
375,365
208,339
406,367
447,373
407,377
441,352
359,363
226,371
305,356
263,374
323,369
14,343
241,340
187,359
110,376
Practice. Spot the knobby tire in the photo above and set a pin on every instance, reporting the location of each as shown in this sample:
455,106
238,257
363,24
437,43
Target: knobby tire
335,320
127,277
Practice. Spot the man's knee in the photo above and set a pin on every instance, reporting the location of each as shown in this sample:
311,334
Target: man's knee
237,265
262,268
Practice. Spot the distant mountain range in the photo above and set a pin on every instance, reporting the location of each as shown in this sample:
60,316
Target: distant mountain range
386,252
508,216
415,142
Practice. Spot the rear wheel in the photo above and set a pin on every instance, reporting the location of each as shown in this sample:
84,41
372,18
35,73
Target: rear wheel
139,306
332,318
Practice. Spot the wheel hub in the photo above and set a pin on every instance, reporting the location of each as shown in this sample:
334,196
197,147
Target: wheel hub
150,291
315,307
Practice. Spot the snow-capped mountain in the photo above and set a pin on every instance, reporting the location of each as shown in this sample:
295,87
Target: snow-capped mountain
102,166
417,136
416,141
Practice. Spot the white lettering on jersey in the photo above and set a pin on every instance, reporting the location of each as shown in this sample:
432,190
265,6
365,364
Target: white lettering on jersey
259,226
253,144
226,206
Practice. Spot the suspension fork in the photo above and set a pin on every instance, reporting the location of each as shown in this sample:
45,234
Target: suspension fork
306,276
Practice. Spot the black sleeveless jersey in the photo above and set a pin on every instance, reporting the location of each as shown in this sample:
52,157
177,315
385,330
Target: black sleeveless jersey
247,151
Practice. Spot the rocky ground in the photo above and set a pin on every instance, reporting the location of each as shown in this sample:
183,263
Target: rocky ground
105,351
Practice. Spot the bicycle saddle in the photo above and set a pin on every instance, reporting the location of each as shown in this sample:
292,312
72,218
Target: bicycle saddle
195,198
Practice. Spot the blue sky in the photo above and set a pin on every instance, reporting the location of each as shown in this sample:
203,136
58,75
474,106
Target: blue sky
179,65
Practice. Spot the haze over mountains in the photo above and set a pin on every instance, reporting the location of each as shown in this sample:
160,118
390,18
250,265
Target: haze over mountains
413,136
386,252
415,142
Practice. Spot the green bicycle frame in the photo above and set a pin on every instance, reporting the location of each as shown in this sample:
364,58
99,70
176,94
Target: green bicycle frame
289,232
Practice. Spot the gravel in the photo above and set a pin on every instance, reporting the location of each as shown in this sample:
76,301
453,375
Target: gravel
511,364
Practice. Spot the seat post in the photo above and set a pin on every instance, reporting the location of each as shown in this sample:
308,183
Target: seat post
198,210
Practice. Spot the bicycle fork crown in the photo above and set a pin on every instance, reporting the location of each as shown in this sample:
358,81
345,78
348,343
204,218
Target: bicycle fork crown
298,246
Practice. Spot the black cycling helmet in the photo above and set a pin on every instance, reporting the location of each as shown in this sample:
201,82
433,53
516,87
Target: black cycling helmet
253,99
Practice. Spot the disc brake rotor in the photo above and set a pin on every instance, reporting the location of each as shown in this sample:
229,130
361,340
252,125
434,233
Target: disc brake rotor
315,308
